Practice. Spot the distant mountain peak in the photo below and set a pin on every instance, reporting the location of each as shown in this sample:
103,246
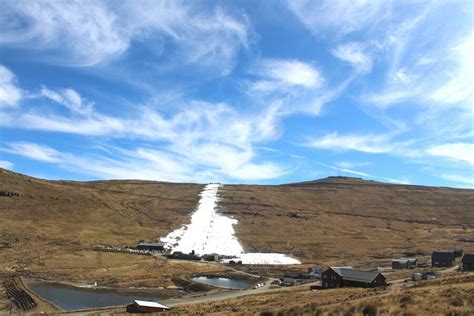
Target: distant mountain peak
339,180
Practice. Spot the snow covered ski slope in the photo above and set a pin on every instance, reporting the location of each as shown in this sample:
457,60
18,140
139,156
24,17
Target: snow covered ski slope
211,232
208,232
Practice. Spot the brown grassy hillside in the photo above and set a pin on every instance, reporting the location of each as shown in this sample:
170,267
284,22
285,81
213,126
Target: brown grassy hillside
452,295
52,225
346,220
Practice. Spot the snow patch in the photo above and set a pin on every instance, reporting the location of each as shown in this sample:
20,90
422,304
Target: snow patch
266,258
211,232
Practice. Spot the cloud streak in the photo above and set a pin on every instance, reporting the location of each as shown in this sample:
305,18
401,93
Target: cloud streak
202,141
286,74
33,151
191,89
6,164
370,143
10,94
70,99
354,53
87,33
149,164
460,152
337,15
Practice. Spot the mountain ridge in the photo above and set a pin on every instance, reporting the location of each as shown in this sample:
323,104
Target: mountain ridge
335,180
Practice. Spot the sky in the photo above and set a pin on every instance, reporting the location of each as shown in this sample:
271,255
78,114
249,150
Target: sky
262,92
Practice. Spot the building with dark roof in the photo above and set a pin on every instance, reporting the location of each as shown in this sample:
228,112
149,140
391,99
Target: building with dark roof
404,263
336,277
184,256
150,246
442,259
468,262
288,282
211,257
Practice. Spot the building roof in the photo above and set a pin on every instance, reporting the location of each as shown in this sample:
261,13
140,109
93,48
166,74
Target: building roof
150,304
405,260
410,259
152,244
337,269
468,258
443,255
351,274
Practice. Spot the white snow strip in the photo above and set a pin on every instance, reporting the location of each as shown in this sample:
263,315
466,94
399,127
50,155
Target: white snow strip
266,258
211,232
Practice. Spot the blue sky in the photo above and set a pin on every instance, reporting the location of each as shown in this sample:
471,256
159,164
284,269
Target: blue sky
238,91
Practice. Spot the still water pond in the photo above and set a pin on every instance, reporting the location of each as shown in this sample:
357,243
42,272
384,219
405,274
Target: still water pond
70,298
223,282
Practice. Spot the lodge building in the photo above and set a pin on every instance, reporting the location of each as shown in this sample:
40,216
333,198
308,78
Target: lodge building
442,259
468,262
149,246
404,263
336,277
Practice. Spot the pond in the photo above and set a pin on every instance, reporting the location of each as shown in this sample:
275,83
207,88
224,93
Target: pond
71,298
223,282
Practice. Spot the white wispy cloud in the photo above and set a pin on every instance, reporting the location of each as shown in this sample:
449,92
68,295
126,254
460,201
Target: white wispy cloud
151,164
297,156
195,122
69,98
285,74
33,151
458,84
75,32
463,152
429,69
446,80
355,54
370,143
10,94
337,15
86,33
6,164
98,124
212,136
296,86
425,69
350,165
202,141
429,72
465,180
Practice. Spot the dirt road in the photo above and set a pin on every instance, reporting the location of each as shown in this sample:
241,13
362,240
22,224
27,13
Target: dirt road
394,285
226,295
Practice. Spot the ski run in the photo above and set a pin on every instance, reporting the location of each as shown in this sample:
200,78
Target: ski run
210,232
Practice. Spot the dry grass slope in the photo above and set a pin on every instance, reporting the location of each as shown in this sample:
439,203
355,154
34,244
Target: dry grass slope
345,220
453,295
50,227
